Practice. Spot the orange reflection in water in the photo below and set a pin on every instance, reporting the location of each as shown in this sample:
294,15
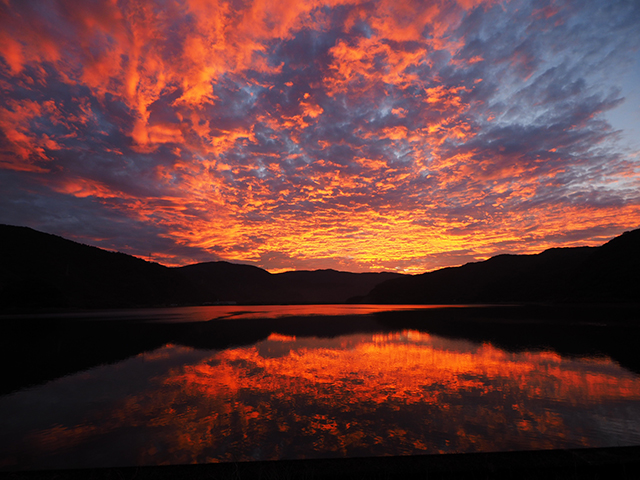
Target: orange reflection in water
275,311
236,312
276,337
364,395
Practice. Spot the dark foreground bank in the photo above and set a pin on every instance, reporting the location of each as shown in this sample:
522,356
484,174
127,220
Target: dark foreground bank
589,463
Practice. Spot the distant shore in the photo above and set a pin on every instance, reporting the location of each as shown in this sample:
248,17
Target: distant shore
43,272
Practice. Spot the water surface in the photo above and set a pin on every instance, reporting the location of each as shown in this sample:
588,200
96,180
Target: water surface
376,391
214,312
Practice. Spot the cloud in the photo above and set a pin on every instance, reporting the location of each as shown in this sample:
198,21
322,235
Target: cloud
359,135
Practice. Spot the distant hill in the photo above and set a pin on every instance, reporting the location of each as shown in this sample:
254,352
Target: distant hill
39,270
248,284
609,273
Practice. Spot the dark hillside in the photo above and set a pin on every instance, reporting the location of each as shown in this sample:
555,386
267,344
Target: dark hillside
504,278
327,286
225,282
247,284
39,270
610,273
42,270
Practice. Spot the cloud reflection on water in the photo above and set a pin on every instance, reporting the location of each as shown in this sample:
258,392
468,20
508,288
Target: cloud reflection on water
398,393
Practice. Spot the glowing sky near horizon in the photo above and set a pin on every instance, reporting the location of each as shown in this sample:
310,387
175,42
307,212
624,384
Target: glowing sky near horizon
355,135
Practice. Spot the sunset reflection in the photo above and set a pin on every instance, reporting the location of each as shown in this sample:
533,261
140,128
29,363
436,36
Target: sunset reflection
406,392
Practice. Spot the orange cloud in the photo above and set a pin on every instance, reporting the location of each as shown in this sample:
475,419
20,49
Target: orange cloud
363,135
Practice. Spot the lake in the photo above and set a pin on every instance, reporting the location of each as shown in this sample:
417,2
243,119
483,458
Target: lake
237,383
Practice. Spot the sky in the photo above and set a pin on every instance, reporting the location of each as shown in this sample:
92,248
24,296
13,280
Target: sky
393,135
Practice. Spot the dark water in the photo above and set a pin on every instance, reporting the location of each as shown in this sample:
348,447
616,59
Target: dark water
266,383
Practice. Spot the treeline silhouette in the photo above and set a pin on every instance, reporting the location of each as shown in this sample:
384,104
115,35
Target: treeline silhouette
43,271
606,274
39,270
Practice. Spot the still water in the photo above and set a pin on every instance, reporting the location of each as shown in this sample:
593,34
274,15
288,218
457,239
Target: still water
381,391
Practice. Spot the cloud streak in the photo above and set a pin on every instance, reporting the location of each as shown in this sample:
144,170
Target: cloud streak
357,135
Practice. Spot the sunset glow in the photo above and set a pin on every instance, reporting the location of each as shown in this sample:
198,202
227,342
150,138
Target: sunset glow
358,135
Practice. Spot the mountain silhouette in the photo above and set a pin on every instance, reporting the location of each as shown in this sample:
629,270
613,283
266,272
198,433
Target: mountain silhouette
609,273
40,270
